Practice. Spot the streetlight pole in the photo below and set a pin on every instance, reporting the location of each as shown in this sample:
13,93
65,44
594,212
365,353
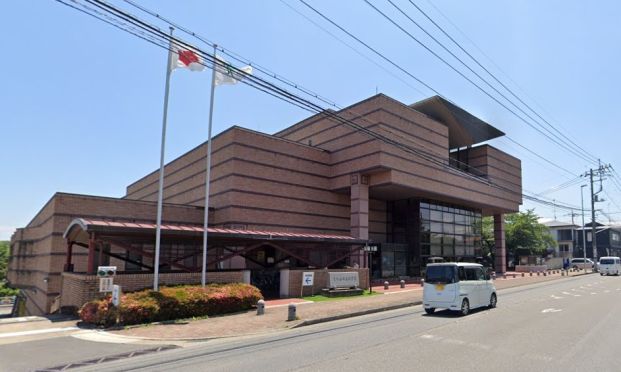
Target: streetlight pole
583,228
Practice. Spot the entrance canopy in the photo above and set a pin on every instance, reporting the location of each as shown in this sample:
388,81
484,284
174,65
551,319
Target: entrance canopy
133,242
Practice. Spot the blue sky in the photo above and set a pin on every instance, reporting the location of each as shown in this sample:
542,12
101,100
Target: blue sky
81,101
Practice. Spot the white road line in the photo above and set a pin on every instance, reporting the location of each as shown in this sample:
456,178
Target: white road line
551,310
556,297
593,293
37,332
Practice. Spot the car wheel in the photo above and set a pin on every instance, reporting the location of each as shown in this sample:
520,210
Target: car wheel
465,307
575,267
601,274
430,310
493,300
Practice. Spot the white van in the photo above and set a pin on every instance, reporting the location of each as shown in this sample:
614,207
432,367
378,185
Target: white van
609,266
458,287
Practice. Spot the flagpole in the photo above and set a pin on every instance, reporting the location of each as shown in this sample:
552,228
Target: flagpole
160,193
208,170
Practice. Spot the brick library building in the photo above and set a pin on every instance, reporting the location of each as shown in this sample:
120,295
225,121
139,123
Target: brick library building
413,180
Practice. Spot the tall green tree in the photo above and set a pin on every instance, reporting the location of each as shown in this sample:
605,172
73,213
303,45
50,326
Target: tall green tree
523,230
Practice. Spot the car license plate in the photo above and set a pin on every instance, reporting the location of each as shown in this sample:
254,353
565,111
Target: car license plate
439,287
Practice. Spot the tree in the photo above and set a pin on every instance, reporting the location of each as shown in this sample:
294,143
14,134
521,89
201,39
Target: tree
4,259
523,231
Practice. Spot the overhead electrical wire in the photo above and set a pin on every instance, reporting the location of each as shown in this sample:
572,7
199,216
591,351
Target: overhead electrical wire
286,96
555,137
376,52
594,158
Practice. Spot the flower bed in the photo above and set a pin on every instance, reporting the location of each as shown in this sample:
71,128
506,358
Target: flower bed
171,303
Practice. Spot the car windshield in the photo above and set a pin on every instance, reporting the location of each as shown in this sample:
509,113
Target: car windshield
440,274
606,261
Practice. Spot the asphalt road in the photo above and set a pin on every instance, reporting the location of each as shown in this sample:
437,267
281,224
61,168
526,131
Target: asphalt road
568,325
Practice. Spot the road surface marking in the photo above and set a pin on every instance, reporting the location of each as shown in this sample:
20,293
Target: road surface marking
593,293
556,297
566,293
37,331
606,291
551,310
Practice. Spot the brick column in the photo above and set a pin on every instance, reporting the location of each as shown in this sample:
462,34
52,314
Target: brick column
359,215
90,266
499,242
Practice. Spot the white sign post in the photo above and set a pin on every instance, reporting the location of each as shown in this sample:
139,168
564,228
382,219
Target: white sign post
116,295
105,274
308,279
105,284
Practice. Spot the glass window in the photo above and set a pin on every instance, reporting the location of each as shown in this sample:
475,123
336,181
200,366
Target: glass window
448,217
480,274
424,214
471,273
459,240
443,274
436,227
436,250
449,228
460,229
460,250
435,215
460,219
424,237
448,250
461,273
436,238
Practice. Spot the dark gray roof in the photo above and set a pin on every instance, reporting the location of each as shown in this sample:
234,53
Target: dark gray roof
465,129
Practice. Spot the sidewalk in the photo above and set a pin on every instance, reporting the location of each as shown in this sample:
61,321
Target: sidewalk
308,312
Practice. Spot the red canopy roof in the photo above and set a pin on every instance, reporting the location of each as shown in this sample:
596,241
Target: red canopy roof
91,225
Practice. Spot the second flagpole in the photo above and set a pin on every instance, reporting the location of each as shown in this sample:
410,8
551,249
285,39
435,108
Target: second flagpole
208,168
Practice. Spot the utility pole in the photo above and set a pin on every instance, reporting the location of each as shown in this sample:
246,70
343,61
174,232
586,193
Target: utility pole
593,228
601,170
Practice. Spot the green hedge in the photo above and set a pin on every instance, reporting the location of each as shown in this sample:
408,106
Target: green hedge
171,303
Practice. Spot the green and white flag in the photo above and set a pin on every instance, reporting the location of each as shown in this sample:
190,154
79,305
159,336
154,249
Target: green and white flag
226,74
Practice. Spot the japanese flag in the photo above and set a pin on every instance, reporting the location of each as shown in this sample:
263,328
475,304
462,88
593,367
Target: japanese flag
186,58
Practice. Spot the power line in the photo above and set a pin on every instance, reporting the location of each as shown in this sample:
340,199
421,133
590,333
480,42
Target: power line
414,77
278,92
594,158
556,140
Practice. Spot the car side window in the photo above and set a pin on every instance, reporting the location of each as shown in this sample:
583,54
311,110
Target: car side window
479,273
462,273
471,273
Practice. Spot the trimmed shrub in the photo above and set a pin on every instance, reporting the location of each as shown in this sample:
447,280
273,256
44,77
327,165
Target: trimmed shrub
171,303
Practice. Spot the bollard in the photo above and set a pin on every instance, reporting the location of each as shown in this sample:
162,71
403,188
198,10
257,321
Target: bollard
538,273
386,285
513,276
260,307
422,282
545,274
292,312
522,275
402,283
504,276
531,273
562,273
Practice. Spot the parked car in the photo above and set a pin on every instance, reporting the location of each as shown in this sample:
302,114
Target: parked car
579,263
457,287
609,266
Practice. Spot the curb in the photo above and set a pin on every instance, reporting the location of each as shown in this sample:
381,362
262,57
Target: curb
355,314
